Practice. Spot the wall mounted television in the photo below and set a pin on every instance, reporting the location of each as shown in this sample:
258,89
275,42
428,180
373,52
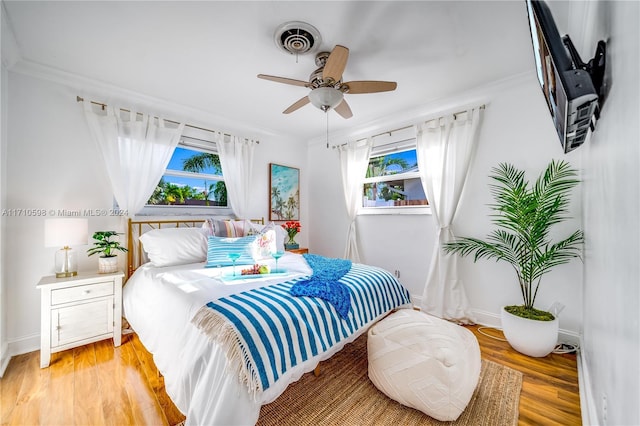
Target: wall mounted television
571,87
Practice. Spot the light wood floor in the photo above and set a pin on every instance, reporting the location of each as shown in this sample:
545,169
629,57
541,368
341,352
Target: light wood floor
98,384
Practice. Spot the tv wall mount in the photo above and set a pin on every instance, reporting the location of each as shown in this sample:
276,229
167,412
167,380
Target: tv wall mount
595,67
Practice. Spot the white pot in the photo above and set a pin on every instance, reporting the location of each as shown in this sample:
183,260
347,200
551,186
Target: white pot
530,337
107,265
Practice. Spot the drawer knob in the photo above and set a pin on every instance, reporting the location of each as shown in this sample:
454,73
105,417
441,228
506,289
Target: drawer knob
86,292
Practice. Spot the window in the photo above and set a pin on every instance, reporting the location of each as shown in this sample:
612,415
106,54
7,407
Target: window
392,180
193,177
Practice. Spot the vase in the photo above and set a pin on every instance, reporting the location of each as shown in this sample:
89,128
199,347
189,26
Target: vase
107,265
530,337
291,243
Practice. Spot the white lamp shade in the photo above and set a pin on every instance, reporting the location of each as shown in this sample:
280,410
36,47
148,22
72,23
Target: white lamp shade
326,97
62,232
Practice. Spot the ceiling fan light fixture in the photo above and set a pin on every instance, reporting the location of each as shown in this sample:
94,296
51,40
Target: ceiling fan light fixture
325,98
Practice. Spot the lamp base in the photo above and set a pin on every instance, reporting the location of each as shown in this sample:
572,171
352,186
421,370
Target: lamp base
66,263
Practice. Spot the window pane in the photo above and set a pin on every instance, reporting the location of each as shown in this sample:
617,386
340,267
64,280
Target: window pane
191,190
393,193
195,161
390,164
387,191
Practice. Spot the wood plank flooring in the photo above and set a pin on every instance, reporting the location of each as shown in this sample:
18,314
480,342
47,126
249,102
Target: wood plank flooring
98,384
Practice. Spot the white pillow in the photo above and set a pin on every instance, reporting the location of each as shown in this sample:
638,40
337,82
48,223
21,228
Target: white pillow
264,245
175,246
281,234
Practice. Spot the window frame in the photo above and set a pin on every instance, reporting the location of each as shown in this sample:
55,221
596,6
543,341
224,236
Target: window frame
198,145
384,145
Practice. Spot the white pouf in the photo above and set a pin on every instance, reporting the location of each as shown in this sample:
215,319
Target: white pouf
424,362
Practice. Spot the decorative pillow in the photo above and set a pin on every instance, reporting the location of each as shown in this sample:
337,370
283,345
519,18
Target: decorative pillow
264,245
226,227
280,233
220,248
175,246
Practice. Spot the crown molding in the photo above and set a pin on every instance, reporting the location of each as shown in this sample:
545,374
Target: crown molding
99,91
431,109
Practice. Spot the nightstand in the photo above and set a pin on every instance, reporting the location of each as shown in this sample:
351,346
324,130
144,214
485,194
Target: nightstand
78,310
300,250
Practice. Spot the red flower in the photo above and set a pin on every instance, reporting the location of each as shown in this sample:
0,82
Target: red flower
292,227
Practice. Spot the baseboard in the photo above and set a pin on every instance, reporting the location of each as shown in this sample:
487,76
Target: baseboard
4,358
24,345
18,347
587,401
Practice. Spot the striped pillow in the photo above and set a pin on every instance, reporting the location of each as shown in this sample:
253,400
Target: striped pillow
226,227
219,249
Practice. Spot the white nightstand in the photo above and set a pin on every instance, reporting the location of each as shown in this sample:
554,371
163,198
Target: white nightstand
79,310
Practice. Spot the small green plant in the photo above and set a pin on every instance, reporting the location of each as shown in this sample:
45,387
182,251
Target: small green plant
104,245
525,215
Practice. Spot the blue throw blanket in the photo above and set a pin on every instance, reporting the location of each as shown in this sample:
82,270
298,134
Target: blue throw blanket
266,331
324,282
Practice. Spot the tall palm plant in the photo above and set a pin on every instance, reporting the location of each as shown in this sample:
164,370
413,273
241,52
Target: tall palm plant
524,216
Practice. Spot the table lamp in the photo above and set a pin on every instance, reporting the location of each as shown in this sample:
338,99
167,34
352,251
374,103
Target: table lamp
65,232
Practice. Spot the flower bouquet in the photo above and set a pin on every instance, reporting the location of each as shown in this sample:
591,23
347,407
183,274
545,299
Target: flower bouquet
292,227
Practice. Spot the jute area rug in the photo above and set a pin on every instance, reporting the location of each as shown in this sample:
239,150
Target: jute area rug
344,395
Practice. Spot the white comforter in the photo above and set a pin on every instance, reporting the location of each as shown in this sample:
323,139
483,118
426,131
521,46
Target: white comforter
159,303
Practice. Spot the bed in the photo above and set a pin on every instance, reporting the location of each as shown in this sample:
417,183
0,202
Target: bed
192,312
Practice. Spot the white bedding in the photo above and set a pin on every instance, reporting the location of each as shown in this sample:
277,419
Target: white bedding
159,303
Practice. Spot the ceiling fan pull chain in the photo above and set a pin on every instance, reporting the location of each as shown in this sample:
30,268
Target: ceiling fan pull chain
326,113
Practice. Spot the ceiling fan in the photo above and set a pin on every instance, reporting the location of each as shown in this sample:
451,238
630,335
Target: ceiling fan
327,87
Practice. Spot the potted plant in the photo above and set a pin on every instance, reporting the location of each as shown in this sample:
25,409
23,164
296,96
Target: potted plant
524,216
108,261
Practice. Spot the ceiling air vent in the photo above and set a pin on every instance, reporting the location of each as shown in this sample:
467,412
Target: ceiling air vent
297,38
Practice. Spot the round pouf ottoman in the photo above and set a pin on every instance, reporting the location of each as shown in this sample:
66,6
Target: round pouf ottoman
424,362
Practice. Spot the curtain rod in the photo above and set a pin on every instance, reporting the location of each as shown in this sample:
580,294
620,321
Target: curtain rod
79,99
404,128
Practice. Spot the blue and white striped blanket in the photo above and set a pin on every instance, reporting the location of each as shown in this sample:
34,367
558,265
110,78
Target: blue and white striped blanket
266,331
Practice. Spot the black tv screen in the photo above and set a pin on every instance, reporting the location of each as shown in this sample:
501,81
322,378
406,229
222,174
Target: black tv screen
569,92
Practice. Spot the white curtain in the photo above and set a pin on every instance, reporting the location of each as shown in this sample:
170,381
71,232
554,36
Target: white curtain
136,149
236,160
445,149
354,158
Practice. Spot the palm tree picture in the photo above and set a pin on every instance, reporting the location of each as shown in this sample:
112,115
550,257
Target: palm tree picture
284,194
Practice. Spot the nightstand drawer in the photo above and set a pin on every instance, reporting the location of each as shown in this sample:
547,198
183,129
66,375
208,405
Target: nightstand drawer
83,292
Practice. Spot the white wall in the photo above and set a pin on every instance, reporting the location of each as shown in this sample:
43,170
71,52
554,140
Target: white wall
4,353
53,164
611,202
517,129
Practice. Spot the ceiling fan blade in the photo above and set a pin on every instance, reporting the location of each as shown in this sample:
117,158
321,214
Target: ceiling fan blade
284,80
297,105
336,62
358,87
344,110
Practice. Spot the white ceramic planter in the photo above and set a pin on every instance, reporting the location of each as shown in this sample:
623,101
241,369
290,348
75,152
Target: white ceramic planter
530,337
107,265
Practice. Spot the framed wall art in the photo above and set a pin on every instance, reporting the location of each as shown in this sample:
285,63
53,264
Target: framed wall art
284,192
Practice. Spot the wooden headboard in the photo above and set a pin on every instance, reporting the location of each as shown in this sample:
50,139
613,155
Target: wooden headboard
135,228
